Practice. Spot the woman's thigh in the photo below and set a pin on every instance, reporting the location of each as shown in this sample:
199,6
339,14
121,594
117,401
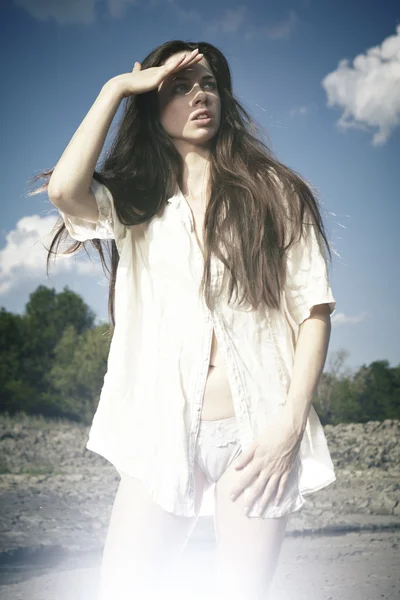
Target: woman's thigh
143,541
247,549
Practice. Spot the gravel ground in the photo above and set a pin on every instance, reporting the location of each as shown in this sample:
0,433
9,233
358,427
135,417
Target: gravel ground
56,499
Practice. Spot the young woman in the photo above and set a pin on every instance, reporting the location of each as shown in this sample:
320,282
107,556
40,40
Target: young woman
221,321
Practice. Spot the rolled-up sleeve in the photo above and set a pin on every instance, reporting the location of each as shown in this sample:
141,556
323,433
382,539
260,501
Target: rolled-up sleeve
108,226
307,283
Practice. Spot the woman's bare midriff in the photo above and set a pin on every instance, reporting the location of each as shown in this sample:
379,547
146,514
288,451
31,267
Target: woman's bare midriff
217,401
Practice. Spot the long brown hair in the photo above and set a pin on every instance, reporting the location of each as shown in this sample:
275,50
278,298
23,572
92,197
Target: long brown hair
257,205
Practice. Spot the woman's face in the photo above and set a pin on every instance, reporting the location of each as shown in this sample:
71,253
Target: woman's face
183,93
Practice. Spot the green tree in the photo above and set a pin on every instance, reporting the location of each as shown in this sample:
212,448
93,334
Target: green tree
27,345
325,400
377,391
47,314
76,378
13,388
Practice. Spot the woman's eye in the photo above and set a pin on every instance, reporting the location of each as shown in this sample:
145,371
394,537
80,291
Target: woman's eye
179,86
185,85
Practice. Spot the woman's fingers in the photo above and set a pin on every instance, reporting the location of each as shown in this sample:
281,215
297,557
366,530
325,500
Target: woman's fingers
183,61
281,488
151,77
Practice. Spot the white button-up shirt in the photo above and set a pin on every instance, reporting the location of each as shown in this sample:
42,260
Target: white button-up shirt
148,417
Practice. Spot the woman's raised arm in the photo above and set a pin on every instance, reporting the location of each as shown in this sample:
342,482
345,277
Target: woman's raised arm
69,184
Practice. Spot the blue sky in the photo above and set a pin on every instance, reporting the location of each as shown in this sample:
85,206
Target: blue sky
321,78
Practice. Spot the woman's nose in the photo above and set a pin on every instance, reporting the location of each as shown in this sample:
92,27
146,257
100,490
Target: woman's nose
198,91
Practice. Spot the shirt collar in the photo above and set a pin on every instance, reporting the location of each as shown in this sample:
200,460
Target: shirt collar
176,199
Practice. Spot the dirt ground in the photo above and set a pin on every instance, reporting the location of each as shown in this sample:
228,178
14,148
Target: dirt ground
351,566
56,499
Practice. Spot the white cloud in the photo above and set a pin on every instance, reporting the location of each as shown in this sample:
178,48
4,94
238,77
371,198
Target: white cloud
73,11
369,90
299,110
231,20
342,319
237,20
185,14
24,255
284,28
118,8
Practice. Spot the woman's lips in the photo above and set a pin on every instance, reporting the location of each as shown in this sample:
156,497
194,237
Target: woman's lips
204,121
